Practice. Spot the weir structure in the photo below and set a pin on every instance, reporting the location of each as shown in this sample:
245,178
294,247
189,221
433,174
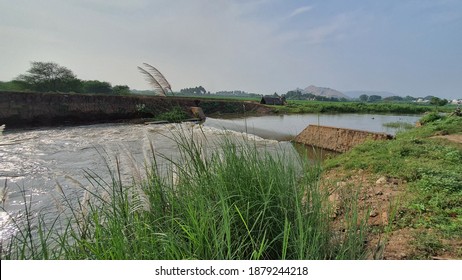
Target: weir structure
335,138
29,109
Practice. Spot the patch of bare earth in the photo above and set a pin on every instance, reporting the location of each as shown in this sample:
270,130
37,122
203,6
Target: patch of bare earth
378,200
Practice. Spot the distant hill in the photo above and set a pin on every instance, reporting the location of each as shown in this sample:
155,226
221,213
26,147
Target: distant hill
326,92
357,93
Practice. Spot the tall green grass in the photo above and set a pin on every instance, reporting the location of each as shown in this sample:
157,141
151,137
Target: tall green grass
234,201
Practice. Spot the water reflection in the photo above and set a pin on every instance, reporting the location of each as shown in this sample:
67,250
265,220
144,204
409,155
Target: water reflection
314,154
286,127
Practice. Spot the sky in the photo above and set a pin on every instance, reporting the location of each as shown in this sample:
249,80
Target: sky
407,47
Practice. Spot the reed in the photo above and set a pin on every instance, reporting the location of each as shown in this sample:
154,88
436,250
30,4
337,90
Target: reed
235,201
399,125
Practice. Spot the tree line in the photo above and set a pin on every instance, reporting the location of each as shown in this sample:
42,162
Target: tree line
299,95
51,77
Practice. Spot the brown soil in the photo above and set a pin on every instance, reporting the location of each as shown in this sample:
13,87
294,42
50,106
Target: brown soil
379,201
377,197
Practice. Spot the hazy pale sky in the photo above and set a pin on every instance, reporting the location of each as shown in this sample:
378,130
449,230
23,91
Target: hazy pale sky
408,47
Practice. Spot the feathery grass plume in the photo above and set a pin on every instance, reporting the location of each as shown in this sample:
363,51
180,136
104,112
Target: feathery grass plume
153,81
156,79
160,78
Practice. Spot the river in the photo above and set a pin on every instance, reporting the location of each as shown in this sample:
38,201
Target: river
286,127
40,160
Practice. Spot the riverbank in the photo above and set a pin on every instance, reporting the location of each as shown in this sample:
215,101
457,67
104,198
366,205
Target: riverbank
32,109
409,189
298,106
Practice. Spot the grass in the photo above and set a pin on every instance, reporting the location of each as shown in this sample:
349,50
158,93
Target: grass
355,107
433,171
399,125
175,115
234,201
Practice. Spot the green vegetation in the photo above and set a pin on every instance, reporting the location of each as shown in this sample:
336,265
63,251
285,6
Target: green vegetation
51,77
354,107
13,86
299,95
175,115
238,202
399,125
433,171
195,91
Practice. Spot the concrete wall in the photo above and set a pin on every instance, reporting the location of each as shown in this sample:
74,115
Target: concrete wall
19,109
336,139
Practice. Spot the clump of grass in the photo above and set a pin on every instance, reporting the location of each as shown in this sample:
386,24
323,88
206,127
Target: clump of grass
399,125
430,117
305,106
175,115
237,202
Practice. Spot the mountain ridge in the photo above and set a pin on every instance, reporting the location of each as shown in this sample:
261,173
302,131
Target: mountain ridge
324,91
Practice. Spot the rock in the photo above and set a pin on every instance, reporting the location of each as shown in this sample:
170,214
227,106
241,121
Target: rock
382,180
335,197
379,193
402,256
373,213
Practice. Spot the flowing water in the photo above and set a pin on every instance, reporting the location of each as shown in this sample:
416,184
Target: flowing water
49,162
38,165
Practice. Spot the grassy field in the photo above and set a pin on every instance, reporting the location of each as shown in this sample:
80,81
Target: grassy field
306,106
356,107
430,169
239,202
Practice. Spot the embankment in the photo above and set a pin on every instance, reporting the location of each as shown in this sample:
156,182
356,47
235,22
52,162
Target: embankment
25,109
336,139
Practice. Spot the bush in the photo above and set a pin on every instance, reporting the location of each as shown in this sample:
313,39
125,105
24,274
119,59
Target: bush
175,115
430,117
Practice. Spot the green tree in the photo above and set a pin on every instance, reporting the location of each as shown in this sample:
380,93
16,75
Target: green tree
409,98
438,102
49,76
363,97
200,90
95,86
294,94
374,98
13,85
393,98
121,90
